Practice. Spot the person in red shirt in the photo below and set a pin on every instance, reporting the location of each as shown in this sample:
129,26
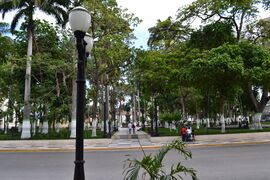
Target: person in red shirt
184,134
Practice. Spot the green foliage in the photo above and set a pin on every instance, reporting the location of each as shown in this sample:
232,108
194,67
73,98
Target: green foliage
152,167
256,61
27,8
170,116
112,53
166,132
163,132
212,35
258,32
62,134
152,71
221,70
237,12
167,34
4,28
6,49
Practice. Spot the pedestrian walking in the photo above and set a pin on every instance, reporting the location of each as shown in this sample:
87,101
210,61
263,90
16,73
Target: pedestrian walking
193,134
184,134
129,127
189,131
133,127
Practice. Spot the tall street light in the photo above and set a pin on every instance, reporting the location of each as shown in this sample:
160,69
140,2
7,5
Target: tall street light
89,44
80,21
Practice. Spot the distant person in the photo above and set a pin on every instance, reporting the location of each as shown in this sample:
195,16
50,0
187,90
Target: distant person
193,134
133,127
189,131
247,125
129,127
184,134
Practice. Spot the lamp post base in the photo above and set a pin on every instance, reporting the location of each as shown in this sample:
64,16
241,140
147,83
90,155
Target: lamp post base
79,170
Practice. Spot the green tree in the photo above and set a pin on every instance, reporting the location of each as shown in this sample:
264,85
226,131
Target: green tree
223,69
111,54
237,12
167,34
152,73
6,44
27,8
256,74
258,32
212,35
52,70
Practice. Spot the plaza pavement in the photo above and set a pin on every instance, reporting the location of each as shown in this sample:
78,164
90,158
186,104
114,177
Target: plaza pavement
122,140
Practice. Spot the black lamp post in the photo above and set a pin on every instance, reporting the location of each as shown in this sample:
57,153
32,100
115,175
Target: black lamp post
80,21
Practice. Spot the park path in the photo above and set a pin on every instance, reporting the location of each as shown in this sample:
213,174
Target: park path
122,138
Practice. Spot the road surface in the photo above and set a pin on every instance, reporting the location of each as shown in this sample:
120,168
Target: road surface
245,162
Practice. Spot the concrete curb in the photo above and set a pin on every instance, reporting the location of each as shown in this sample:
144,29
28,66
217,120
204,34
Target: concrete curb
231,144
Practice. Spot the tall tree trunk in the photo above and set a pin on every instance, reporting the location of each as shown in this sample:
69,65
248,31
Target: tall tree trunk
183,109
222,119
152,120
259,105
156,117
113,103
45,123
139,108
106,111
103,111
119,113
5,124
73,111
94,118
26,127
95,103
134,108
74,100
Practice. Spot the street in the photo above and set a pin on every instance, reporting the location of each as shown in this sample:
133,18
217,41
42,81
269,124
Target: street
246,162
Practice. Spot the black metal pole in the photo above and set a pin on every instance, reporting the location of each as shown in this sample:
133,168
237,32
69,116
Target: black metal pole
79,161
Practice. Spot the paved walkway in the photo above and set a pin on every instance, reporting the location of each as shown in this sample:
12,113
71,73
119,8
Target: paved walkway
123,140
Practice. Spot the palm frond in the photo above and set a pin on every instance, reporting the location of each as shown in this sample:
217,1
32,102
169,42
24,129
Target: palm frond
133,169
6,7
20,14
180,148
182,169
59,11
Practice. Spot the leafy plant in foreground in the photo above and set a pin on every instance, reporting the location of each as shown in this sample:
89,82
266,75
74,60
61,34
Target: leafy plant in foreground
152,168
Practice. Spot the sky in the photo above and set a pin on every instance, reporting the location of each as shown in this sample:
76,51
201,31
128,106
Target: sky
149,11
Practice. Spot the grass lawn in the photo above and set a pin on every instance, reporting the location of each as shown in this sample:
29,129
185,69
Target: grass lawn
266,123
63,134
